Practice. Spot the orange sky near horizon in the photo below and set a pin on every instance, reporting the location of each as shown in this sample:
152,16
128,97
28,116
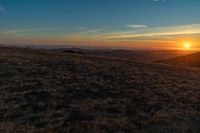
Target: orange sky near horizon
124,24
157,38
172,44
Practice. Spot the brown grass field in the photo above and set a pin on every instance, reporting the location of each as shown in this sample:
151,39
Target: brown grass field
191,60
51,91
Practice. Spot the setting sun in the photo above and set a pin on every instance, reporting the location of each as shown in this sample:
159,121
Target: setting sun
187,45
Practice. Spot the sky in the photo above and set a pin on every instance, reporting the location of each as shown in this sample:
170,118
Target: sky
130,24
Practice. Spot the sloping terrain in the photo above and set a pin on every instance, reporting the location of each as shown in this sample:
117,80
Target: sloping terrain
46,91
133,55
191,60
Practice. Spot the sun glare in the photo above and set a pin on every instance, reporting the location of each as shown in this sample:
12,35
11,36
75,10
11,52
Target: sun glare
187,45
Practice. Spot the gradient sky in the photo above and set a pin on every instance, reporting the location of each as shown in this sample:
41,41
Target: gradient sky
141,24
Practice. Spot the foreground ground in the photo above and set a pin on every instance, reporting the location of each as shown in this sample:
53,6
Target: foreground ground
46,91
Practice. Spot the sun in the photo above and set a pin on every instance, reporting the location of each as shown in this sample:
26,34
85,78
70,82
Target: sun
187,45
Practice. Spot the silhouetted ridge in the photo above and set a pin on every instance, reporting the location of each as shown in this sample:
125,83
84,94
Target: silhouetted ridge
192,60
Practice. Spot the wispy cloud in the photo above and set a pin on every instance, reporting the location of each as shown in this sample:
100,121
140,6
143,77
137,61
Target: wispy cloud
29,30
82,31
32,31
100,36
51,35
91,31
158,0
137,26
85,33
156,31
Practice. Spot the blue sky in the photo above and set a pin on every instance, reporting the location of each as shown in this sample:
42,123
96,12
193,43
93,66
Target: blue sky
114,23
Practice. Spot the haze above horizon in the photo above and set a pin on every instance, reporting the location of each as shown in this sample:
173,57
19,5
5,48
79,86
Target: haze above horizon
139,24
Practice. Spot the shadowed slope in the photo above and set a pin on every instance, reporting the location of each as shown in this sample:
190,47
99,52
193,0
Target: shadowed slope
192,60
133,55
50,91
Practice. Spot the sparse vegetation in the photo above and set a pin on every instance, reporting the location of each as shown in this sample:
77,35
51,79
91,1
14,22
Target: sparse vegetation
191,60
47,91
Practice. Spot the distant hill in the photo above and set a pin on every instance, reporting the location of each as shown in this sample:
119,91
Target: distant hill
192,60
134,55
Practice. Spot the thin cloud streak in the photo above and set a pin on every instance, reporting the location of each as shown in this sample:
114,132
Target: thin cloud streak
84,34
103,36
158,0
136,26
160,31
29,30
102,33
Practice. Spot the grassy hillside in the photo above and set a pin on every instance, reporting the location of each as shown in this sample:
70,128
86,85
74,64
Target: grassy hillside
191,60
47,91
133,55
